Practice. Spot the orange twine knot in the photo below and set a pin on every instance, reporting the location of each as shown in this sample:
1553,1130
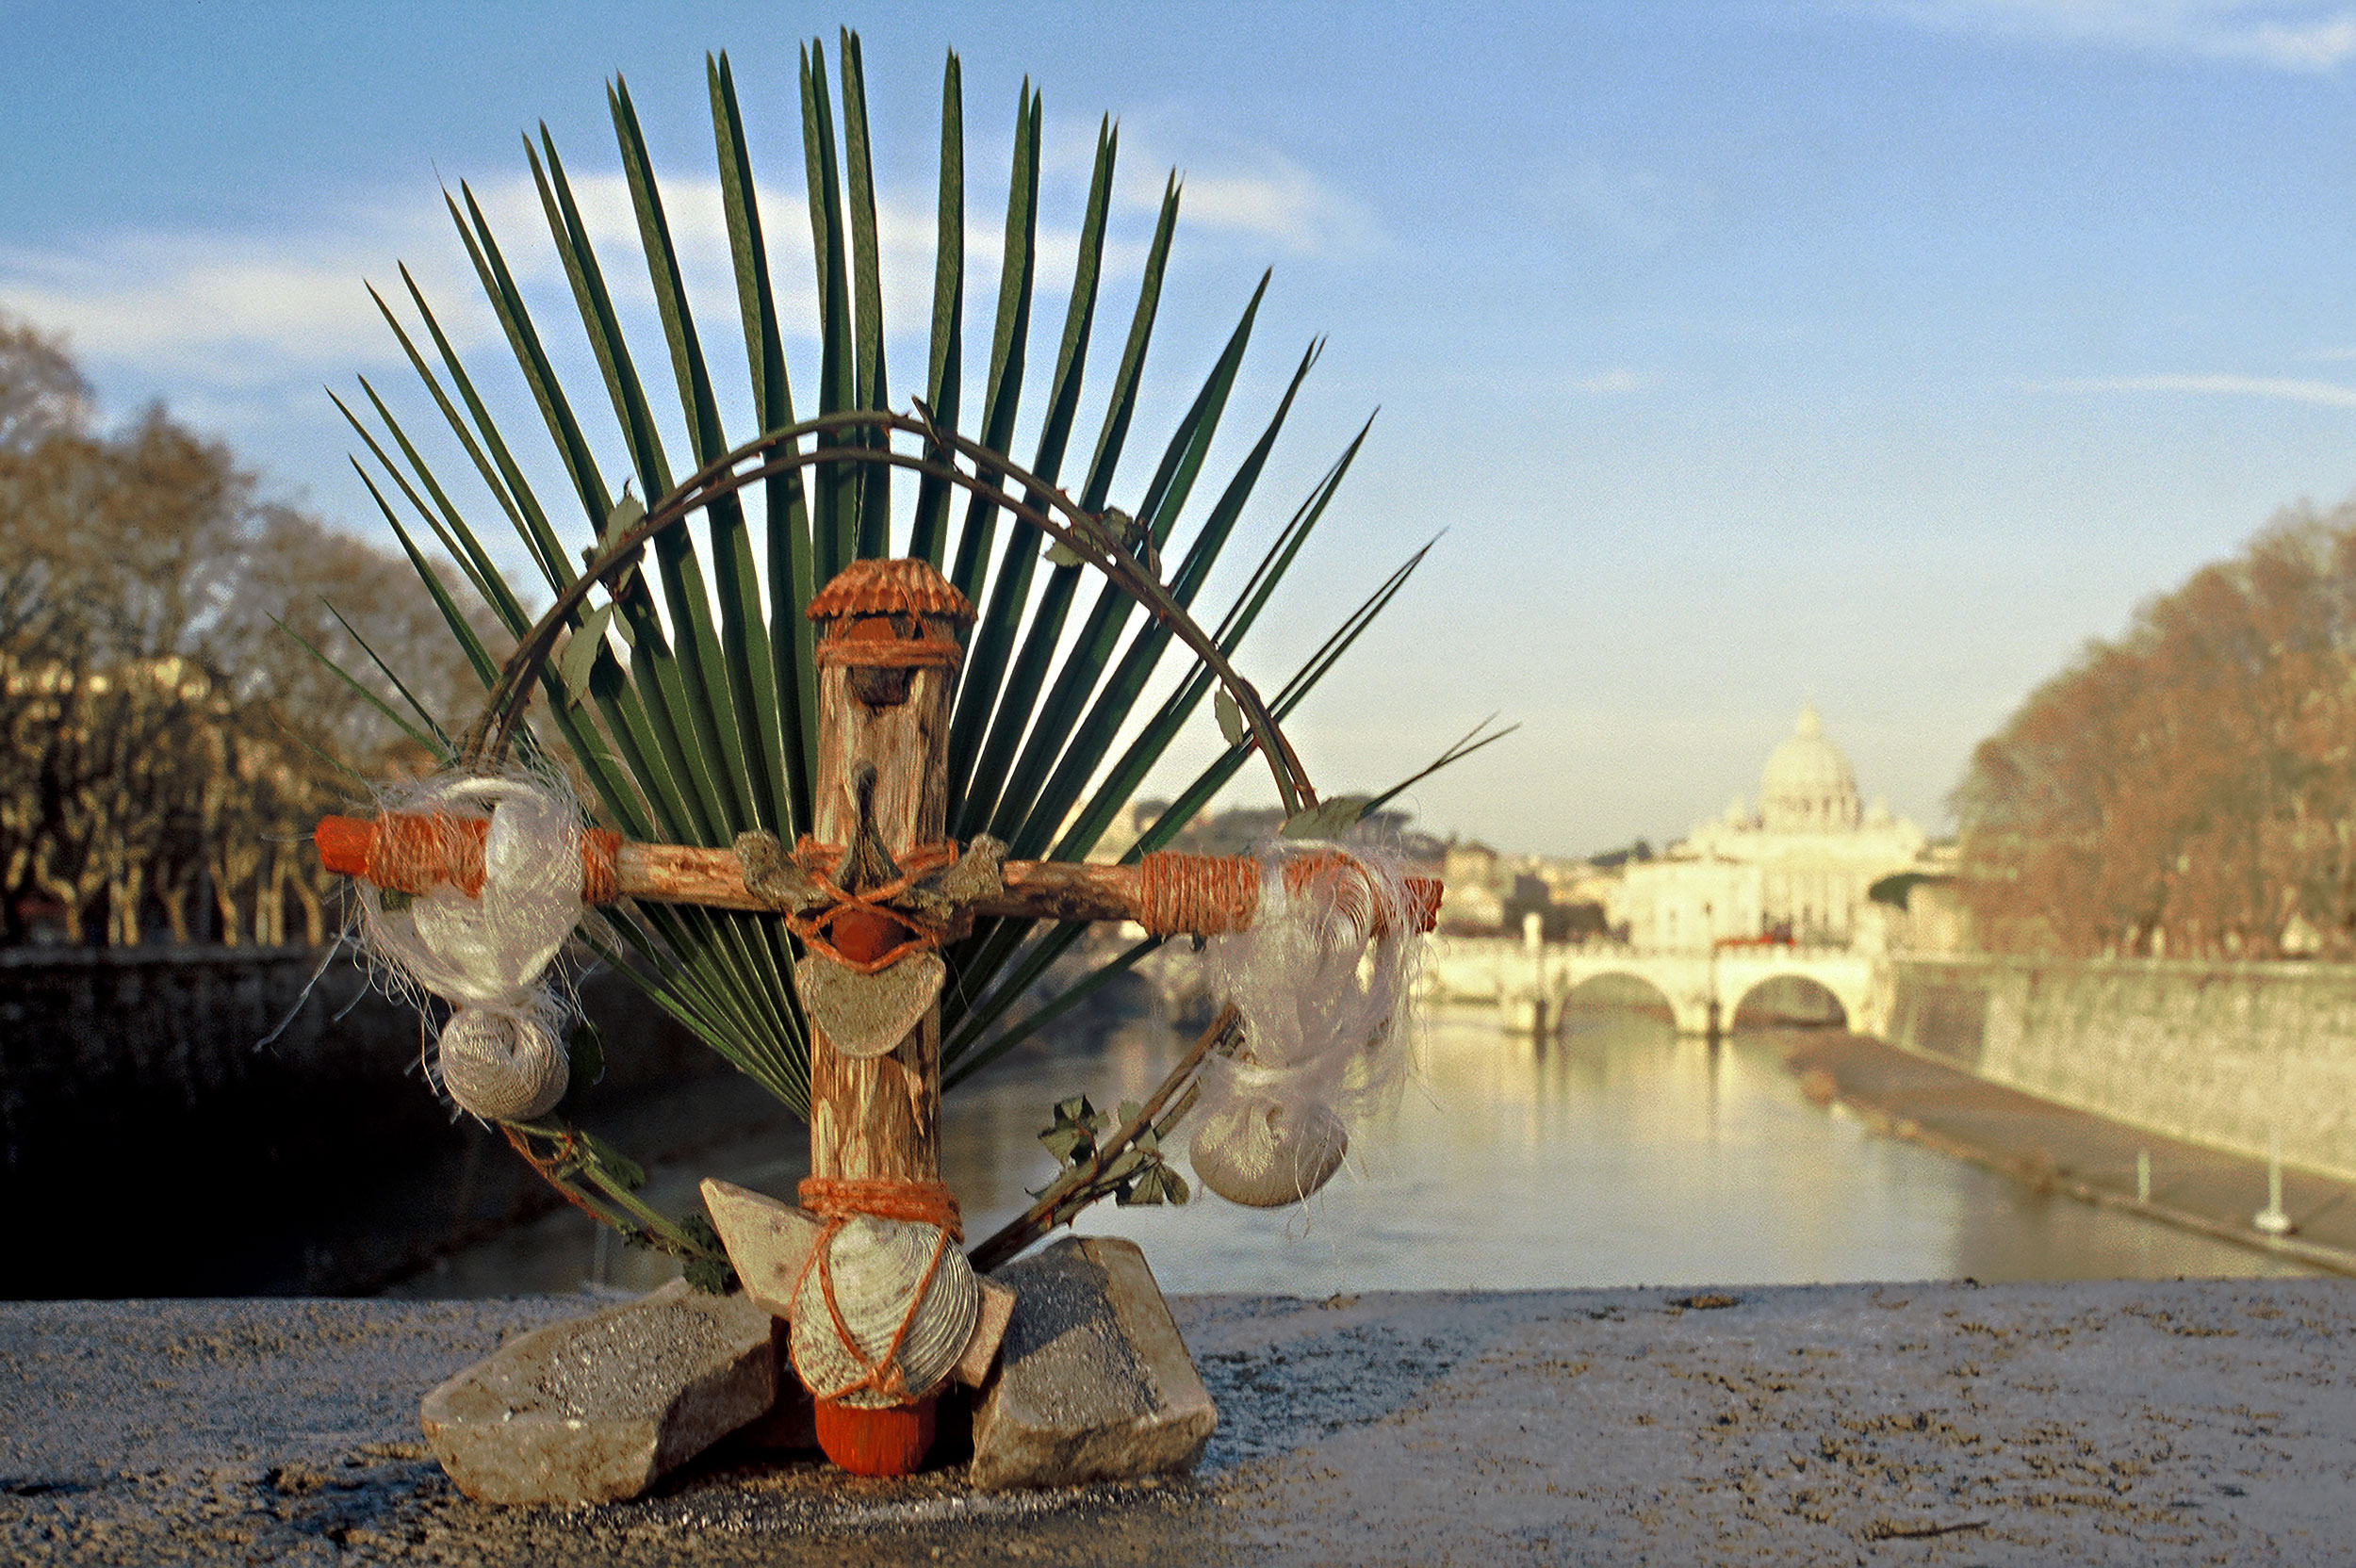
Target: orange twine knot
869,913
840,1198
923,1202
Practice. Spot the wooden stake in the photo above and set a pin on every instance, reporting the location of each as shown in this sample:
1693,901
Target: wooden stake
887,665
878,1118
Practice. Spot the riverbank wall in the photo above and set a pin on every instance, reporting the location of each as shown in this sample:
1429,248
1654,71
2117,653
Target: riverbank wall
162,1134
2223,1054
155,1139
2220,1054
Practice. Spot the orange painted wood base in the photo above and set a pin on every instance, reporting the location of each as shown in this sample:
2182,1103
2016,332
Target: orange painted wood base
875,1442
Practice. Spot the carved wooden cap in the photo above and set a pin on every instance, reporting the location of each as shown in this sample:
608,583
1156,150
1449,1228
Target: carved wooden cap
908,587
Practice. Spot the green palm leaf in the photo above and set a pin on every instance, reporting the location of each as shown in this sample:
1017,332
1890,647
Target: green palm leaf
703,726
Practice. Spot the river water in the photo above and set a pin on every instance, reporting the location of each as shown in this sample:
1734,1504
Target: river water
1617,1154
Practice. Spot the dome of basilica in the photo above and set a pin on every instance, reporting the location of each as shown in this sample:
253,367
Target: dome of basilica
1808,786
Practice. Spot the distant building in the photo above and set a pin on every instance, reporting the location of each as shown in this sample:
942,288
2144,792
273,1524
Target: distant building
1798,868
1473,904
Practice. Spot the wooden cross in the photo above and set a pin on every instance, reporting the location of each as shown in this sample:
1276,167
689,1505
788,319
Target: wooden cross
876,888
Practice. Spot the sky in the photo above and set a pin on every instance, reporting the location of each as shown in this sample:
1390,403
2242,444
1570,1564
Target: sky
1874,353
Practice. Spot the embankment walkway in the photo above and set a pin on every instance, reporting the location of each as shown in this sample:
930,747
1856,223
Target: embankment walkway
2056,1148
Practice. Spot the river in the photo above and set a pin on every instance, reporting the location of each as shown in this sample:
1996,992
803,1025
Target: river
1617,1154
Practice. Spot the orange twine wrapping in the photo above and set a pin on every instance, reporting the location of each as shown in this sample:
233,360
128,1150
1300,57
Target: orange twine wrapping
416,851
601,865
898,653
1210,895
1205,894
837,1199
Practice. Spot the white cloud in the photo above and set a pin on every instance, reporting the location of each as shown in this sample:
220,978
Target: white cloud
1237,188
228,309
238,309
1638,208
2283,35
221,316
1609,383
2326,393
1279,200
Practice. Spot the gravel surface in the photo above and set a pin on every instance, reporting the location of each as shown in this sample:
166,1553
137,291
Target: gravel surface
1947,1424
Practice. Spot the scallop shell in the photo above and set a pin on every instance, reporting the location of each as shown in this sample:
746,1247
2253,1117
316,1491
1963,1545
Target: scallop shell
875,1265
501,1067
1263,1155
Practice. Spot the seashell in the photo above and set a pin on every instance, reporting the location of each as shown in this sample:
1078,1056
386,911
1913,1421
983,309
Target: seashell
1266,1155
868,1014
502,1066
875,1265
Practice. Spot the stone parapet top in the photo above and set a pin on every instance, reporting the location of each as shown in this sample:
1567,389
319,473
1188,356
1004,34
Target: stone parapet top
2090,1422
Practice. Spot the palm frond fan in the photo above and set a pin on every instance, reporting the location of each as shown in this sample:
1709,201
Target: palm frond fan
702,729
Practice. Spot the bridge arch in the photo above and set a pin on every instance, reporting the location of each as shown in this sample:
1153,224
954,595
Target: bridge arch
1789,1000
1619,988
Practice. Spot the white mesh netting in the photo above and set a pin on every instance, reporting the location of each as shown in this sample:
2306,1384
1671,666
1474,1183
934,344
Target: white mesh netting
1321,978
500,1056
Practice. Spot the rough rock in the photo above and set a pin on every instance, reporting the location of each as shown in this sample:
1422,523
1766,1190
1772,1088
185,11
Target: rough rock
792,1423
767,1241
601,1408
990,1331
1093,1382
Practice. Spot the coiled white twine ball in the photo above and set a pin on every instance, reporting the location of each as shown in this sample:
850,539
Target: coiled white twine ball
1262,1154
1320,979
502,1054
501,1065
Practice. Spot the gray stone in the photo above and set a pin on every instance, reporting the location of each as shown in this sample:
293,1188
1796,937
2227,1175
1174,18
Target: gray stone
767,1241
601,1408
990,1331
1093,1381
792,1423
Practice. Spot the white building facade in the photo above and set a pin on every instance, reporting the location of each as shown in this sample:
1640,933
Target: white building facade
1799,867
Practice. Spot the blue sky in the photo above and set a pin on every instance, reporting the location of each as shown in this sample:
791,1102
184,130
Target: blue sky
1880,353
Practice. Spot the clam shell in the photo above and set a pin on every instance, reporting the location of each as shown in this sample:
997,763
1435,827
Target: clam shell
501,1067
1261,1155
875,1265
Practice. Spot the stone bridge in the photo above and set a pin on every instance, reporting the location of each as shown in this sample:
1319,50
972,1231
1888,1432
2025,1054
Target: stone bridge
1703,989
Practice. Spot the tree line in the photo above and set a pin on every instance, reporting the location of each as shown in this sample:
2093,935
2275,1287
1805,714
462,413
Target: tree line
2188,789
166,744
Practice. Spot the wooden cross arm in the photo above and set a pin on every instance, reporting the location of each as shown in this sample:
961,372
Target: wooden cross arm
1169,893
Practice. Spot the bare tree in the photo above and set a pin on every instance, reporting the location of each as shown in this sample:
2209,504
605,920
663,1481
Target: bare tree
41,394
166,730
2187,789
